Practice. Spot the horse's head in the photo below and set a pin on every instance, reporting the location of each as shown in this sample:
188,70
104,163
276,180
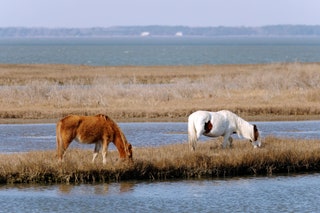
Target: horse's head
126,153
255,142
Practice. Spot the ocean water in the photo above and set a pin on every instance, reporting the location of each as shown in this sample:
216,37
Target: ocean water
149,51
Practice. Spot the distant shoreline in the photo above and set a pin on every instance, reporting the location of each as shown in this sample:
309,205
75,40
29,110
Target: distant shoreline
155,30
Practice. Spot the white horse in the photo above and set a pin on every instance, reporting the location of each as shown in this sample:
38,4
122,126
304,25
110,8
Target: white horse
221,123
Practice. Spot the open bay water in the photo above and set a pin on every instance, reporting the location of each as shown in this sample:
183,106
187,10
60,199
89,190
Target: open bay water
147,51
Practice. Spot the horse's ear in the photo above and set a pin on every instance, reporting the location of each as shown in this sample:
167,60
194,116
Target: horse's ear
105,117
102,116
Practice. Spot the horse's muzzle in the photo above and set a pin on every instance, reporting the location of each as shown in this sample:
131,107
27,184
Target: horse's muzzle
256,144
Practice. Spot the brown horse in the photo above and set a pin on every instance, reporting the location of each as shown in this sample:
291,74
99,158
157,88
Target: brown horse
99,129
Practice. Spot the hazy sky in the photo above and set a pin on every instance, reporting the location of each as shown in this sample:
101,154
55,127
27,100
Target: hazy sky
106,13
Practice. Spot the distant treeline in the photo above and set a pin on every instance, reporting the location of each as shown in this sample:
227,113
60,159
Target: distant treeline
272,30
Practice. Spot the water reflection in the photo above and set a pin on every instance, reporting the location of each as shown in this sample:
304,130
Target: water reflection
26,137
96,189
259,194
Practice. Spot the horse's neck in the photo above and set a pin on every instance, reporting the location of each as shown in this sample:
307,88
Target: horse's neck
120,142
119,138
245,128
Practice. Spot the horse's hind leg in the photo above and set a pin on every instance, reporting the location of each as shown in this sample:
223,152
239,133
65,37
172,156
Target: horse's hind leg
59,143
60,148
97,148
63,145
63,140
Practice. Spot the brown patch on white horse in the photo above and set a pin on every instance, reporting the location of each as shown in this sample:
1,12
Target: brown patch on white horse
99,130
207,127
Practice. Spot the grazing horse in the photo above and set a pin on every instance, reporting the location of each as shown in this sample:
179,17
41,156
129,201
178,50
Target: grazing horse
221,123
99,130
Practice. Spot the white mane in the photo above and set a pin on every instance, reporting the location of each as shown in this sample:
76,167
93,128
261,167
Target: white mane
245,128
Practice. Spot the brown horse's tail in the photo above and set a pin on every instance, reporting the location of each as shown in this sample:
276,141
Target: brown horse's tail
59,140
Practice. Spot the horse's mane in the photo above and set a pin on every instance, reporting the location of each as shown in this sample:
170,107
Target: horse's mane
116,128
243,126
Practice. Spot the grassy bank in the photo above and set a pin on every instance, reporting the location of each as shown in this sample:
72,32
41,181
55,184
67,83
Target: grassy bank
166,162
163,93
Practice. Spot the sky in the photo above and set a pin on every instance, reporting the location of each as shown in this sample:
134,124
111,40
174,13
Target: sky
193,13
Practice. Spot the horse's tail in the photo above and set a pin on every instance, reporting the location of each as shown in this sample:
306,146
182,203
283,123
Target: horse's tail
59,140
192,134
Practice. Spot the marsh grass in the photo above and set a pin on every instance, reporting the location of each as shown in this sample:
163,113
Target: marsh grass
166,162
171,92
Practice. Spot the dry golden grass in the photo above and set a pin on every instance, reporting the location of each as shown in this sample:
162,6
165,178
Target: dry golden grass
166,162
171,93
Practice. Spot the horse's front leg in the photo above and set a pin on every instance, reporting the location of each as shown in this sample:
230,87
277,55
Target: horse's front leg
227,141
230,141
97,148
104,151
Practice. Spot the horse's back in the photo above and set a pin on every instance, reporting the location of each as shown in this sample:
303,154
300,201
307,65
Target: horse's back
70,121
199,115
95,125
219,116
85,129
84,121
227,113
229,117
75,123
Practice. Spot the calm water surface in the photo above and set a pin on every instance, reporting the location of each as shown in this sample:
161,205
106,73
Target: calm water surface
26,137
263,194
160,51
